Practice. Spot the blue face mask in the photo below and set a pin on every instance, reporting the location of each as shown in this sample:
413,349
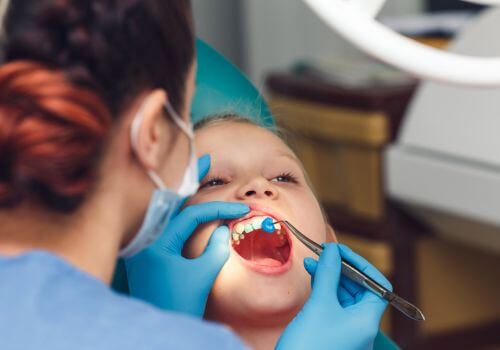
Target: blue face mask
164,202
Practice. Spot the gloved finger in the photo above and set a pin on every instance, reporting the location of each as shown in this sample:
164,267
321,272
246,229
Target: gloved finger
181,205
311,265
348,291
203,166
352,287
363,265
366,300
345,297
217,251
369,303
347,288
183,226
327,276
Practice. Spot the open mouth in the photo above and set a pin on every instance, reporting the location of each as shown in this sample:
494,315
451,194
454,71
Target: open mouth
263,251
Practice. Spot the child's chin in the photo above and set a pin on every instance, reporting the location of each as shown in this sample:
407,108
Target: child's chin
272,303
261,305
257,298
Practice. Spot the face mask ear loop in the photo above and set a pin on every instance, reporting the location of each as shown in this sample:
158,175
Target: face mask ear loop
136,124
186,188
186,127
157,180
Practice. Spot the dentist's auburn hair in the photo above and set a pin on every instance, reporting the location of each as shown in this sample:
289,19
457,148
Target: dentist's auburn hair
70,69
51,132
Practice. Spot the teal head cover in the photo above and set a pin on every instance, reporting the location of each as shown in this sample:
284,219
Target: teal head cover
221,88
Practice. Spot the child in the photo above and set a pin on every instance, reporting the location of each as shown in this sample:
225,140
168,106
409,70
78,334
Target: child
263,284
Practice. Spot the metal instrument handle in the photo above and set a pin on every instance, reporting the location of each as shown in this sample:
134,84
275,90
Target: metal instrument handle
359,277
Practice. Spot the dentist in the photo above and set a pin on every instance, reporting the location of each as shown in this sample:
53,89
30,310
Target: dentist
96,157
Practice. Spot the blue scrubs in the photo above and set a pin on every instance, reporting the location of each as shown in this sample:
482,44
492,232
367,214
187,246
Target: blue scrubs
46,303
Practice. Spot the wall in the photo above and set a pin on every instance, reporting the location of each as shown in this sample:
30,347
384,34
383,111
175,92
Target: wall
219,23
279,32
3,7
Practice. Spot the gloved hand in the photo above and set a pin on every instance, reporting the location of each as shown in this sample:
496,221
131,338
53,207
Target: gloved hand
339,313
160,274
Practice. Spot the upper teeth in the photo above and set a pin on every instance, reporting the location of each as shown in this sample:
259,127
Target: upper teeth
247,226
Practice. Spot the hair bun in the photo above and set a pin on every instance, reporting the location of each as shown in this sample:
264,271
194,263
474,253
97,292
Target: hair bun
58,33
51,124
51,132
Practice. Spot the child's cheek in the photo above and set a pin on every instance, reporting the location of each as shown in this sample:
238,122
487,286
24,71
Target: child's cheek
205,196
196,244
331,237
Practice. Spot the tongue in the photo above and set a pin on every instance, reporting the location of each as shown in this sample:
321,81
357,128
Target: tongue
264,249
266,261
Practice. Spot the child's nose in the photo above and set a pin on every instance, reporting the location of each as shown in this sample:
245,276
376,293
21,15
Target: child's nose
260,188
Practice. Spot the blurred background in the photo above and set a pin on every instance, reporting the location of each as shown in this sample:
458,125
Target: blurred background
260,36
409,171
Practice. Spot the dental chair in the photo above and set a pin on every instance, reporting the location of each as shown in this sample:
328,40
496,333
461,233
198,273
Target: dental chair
221,88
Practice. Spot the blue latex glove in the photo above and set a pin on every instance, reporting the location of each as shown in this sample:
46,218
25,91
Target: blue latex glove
339,313
160,274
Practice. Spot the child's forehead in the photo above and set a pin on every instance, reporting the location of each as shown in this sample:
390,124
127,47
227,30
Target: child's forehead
228,133
236,142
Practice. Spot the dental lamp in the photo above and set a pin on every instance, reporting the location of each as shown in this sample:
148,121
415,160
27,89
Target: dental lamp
354,20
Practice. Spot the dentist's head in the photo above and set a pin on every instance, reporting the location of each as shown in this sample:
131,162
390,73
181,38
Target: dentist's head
95,140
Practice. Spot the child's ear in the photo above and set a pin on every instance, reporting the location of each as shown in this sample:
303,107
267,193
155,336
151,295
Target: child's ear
330,234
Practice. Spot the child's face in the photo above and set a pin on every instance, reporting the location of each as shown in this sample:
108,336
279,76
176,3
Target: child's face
264,279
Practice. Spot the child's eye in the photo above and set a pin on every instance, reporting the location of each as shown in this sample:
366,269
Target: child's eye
286,177
216,181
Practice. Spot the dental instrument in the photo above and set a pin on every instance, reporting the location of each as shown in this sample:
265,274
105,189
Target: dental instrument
355,275
268,225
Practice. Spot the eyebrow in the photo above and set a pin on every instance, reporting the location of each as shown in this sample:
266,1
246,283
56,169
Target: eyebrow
288,155
296,160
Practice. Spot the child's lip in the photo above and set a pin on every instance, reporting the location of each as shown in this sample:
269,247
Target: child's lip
260,210
255,210
268,270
